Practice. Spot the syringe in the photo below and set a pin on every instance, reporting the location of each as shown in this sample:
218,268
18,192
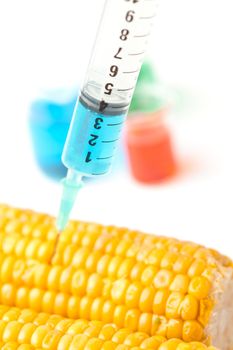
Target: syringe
102,106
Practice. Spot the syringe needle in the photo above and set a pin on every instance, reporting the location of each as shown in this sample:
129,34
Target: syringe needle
71,185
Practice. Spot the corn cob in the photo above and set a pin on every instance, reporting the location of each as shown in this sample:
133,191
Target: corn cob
155,285
26,329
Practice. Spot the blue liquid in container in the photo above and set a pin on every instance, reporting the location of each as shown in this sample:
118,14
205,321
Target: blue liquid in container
48,125
92,139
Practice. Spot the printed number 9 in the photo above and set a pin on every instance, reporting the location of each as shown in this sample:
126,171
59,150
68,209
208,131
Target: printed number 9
114,71
130,16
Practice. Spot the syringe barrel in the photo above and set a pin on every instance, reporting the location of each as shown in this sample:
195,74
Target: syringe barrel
119,50
109,84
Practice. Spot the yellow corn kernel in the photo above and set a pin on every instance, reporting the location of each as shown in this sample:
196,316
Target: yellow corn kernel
11,331
73,307
11,314
192,331
189,308
10,346
145,323
135,339
25,333
93,329
85,307
48,301
54,278
163,279
125,268
111,246
206,306
180,284
35,299
137,271
3,308
68,254
108,311
173,305
155,256
97,308
94,285
27,316
92,261
80,258
118,292
78,327
161,324
131,319
182,264
196,268
122,247
6,269
197,346
148,275
146,299
174,329
25,347
51,340
114,265
94,344
169,260
107,331
120,336
119,315
102,266
79,282
7,294
199,287
171,344
65,342
41,319
160,301
62,325
152,342
133,294
109,345
79,341
39,335
66,279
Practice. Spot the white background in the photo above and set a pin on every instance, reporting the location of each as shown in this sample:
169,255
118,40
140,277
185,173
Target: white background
42,45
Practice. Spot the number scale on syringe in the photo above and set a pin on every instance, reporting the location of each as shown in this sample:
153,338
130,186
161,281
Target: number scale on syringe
108,88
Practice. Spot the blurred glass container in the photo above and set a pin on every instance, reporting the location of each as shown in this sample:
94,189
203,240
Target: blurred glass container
149,147
149,95
49,120
147,138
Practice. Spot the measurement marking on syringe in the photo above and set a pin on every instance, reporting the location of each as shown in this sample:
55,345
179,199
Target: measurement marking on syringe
141,35
126,89
104,158
131,72
136,53
99,173
109,141
115,124
148,17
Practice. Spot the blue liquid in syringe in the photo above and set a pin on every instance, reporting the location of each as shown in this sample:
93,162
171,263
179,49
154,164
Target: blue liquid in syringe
92,138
